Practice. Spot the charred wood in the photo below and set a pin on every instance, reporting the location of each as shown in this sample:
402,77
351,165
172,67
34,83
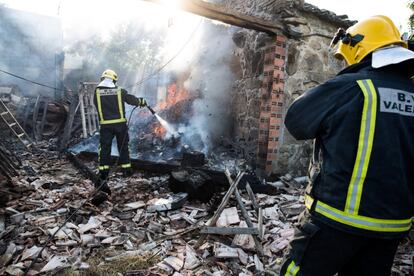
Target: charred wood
87,172
197,184
9,163
193,159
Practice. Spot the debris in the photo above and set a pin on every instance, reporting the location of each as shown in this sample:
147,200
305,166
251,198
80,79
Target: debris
193,159
224,251
93,222
134,205
30,253
172,202
244,241
198,185
55,263
8,255
191,258
144,220
99,198
258,264
228,216
174,262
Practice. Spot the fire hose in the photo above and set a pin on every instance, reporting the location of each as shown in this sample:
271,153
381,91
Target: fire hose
150,109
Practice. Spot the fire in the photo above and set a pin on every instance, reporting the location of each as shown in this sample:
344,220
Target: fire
159,130
175,94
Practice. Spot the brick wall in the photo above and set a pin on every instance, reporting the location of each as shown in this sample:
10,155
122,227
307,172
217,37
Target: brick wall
272,102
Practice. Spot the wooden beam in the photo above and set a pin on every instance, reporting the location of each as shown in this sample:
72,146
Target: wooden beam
222,205
249,223
220,13
229,230
252,198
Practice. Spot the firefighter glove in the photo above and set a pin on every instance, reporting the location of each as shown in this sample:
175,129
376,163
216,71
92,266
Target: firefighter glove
142,102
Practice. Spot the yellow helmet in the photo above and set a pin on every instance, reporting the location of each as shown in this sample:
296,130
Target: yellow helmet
108,73
365,37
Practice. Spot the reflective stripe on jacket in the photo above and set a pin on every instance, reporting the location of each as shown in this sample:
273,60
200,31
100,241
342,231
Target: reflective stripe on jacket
363,122
110,104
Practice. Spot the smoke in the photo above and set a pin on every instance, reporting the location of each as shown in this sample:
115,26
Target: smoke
31,46
135,43
212,76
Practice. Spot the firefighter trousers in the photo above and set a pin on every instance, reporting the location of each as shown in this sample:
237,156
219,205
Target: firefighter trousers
319,250
107,134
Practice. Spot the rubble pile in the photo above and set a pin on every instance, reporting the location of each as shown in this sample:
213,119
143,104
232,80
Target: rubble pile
143,230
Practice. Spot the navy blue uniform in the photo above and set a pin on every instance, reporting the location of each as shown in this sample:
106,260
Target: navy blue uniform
110,103
363,182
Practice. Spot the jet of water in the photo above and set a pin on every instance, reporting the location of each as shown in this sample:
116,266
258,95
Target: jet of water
170,129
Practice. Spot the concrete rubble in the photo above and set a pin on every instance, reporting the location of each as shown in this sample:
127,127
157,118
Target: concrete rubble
134,232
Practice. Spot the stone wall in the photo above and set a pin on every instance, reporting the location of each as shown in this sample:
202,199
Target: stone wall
310,62
246,93
264,9
306,62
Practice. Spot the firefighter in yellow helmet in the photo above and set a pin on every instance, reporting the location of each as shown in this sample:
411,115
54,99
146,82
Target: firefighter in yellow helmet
110,103
360,199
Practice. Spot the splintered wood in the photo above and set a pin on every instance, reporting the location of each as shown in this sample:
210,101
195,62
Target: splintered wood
144,228
230,216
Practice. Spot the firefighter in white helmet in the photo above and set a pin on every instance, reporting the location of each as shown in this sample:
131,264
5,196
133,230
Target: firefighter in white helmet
110,102
360,200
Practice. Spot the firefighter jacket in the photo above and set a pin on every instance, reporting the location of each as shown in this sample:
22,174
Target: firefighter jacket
110,103
363,125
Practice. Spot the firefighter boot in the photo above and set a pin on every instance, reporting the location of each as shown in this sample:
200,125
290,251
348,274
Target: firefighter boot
102,184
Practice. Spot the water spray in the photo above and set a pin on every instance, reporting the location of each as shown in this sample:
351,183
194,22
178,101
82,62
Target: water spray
170,129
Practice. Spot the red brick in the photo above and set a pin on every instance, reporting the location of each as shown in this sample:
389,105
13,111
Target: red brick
280,38
279,62
281,51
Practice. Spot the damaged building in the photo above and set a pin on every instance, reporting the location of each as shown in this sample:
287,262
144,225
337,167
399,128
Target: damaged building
218,181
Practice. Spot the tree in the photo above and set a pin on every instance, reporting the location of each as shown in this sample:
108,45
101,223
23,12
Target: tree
132,51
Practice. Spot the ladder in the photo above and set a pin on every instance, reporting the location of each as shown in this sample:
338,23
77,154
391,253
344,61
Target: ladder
14,126
89,115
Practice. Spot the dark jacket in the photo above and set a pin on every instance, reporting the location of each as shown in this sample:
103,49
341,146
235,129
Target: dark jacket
363,123
110,103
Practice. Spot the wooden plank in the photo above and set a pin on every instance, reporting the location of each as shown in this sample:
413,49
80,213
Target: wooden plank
224,201
243,210
64,140
44,115
229,230
252,198
220,13
82,168
260,223
226,197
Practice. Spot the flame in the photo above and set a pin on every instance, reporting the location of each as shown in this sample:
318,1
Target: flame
159,131
175,94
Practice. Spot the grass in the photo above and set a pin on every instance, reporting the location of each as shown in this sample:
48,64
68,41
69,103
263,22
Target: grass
123,265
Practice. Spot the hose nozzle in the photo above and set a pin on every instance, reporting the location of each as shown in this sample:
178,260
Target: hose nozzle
151,110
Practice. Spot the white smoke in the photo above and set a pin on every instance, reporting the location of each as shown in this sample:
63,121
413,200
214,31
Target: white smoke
31,47
212,76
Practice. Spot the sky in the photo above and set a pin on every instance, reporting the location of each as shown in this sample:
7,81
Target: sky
80,16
